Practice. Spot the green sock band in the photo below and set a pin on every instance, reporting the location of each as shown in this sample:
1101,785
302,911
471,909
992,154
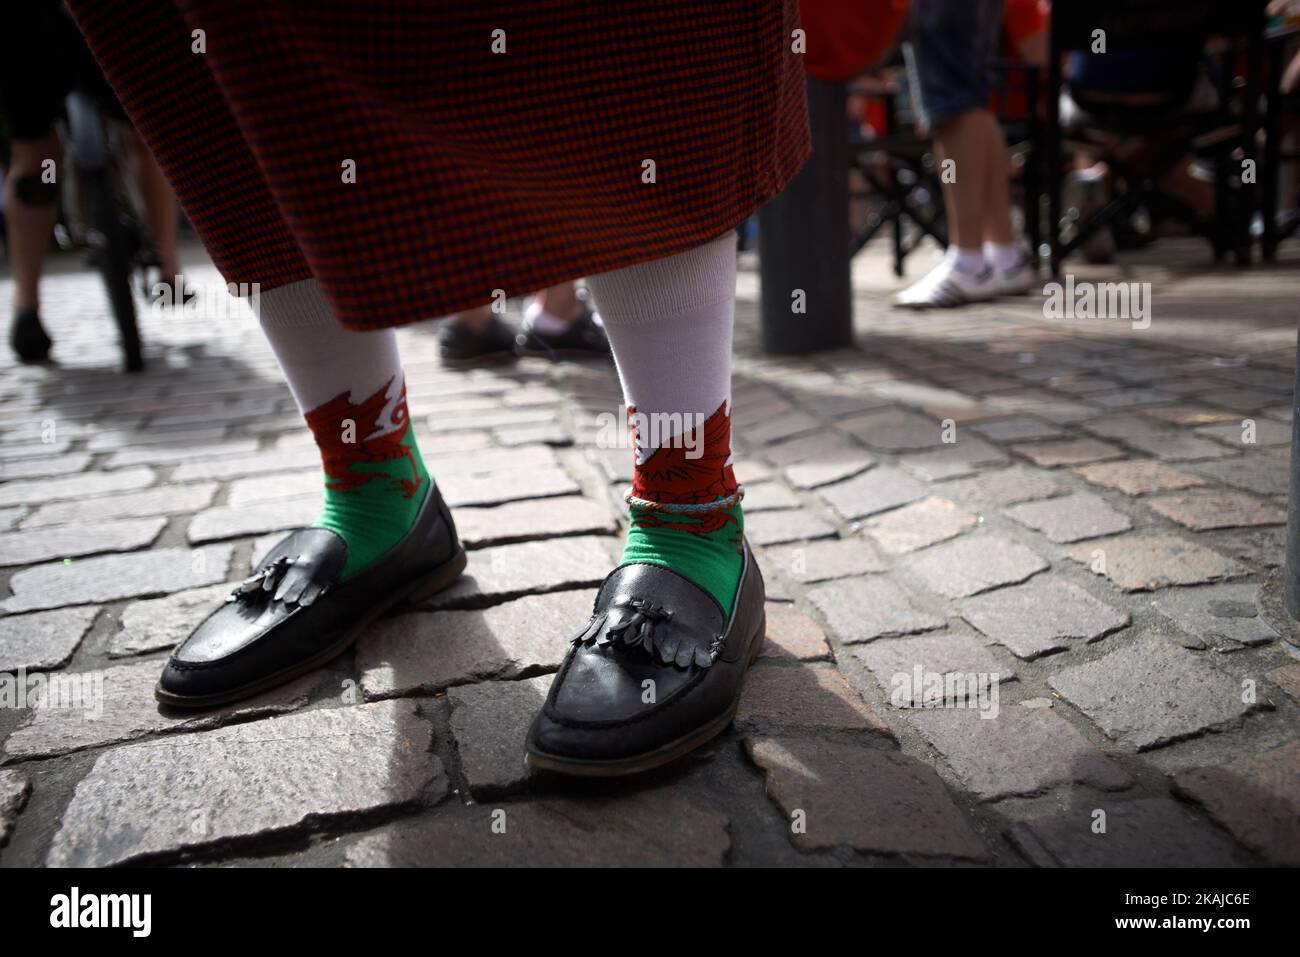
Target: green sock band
711,559
374,515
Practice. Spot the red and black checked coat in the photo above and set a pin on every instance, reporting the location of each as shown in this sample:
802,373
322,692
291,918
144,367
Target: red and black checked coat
475,170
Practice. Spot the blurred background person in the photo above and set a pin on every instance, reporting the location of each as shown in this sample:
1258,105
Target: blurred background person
951,58
42,59
558,323
1133,91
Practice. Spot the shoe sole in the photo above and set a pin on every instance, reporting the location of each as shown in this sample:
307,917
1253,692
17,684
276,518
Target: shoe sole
637,764
925,306
440,579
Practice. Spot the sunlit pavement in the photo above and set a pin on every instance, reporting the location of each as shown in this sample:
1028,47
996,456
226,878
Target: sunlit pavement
1023,572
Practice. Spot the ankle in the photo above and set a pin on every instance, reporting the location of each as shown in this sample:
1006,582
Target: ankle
539,318
1003,257
968,261
705,546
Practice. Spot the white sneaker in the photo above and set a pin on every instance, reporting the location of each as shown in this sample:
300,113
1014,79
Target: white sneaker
1015,281
946,286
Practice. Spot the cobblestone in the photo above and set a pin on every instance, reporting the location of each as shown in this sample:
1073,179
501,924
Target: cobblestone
44,639
919,525
1153,832
784,697
860,609
875,801
1145,562
1138,476
1041,616
1017,751
824,560
1150,693
894,663
157,623
1071,518
117,704
489,722
246,780
792,634
1067,452
15,788
656,828
110,577
974,564
878,490
1203,510
1256,798
423,652
1225,617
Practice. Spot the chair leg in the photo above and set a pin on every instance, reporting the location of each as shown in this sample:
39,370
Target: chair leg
1272,149
897,190
1291,573
1222,216
899,254
1124,204
1032,178
1054,158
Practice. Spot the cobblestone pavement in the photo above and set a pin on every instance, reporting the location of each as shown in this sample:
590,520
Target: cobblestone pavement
1084,516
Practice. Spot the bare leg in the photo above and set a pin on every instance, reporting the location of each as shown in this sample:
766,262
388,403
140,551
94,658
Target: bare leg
561,301
160,207
963,141
982,259
558,324
30,223
553,327
997,187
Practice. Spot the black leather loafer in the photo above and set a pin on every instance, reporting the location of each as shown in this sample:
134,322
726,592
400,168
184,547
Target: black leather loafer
294,615
461,347
583,339
656,673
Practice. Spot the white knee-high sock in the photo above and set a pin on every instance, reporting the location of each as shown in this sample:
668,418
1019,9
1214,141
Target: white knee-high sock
319,357
670,326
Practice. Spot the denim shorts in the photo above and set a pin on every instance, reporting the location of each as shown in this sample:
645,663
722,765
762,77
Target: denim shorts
952,52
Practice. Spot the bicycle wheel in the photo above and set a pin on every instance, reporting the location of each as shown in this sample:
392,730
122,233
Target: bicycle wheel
111,241
113,256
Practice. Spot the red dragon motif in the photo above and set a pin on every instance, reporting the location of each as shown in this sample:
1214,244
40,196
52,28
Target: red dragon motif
674,474
380,424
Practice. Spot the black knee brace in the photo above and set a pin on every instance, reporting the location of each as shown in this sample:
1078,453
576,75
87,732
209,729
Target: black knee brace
34,191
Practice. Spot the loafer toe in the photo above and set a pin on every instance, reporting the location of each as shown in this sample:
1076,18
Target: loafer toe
654,674
295,612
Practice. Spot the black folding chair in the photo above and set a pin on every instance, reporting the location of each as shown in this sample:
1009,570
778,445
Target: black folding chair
1218,134
906,186
1278,224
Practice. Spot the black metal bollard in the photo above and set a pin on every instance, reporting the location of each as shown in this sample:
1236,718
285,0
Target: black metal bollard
803,239
1292,571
